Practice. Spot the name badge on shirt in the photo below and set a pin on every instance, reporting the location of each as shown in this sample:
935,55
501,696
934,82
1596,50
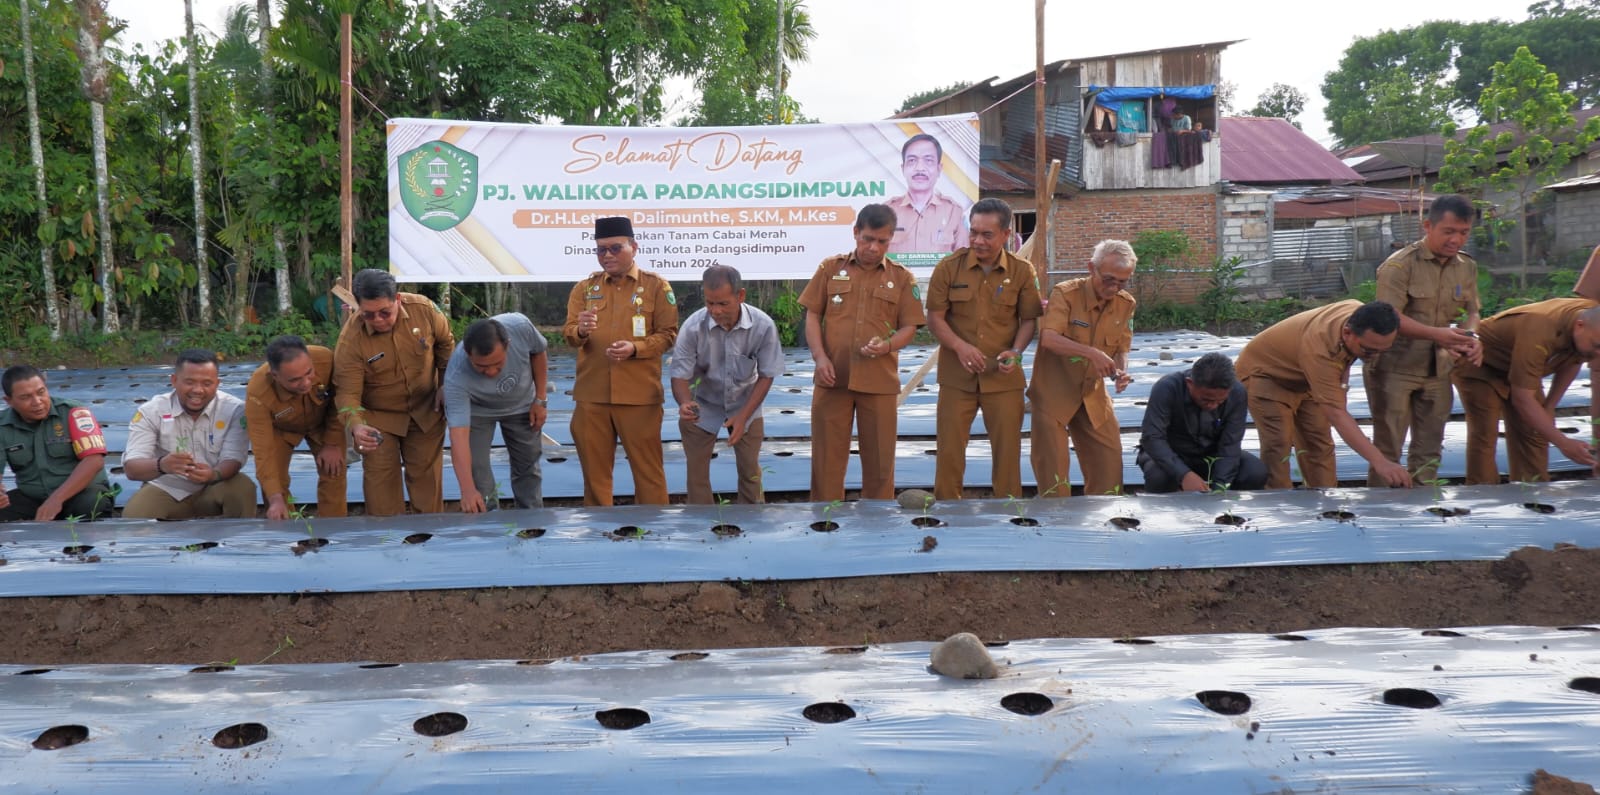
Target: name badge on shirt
638,326
1083,323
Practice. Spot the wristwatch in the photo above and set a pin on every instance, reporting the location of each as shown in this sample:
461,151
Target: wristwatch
541,402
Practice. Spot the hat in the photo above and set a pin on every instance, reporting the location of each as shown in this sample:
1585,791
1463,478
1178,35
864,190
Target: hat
616,226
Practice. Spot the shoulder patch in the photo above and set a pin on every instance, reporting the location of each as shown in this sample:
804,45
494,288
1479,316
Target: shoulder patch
916,293
137,415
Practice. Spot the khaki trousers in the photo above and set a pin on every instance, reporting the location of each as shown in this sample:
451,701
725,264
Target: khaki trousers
832,410
1404,403
697,447
1002,423
420,454
1526,451
333,493
1099,454
1297,426
596,428
234,498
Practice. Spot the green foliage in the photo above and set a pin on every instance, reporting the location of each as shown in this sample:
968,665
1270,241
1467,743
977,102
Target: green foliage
1160,252
924,97
1543,138
1367,291
789,316
1281,101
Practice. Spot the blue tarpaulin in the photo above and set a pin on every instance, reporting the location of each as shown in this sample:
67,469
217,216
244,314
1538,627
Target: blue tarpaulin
1113,96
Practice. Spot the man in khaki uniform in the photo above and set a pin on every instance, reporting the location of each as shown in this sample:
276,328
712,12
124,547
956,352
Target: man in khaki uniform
1297,374
925,219
1433,285
983,306
1084,339
288,399
1521,346
387,368
622,320
861,308
188,446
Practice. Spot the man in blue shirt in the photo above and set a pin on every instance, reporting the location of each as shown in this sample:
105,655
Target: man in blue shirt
1192,429
723,364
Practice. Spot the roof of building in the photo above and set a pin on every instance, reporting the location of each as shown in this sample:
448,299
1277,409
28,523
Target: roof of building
1268,151
1585,182
1322,202
1423,151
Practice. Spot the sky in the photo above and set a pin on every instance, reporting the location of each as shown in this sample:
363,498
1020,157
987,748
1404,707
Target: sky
869,55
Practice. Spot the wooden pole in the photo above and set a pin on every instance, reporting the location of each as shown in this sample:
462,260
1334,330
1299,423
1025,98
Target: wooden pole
346,149
1043,189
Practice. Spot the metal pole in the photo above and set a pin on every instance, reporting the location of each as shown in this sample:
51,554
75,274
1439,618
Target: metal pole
346,209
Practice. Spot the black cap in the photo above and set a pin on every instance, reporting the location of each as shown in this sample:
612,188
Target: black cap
616,226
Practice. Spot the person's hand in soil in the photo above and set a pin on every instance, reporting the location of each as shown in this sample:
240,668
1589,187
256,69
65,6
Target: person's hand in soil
48,510
277,508
472,502
1394,474
1193,482
1579,452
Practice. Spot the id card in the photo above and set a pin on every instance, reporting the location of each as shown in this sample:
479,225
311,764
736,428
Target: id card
638,326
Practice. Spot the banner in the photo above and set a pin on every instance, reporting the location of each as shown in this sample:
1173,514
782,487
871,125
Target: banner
480,202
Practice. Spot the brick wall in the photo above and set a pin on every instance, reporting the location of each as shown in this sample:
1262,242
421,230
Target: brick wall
1080,222
1577,225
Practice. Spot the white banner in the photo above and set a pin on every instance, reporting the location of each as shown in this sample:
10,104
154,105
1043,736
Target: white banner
480,202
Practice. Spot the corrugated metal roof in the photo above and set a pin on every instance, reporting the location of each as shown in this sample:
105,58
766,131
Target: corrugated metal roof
1577,183
1272,151
1381,169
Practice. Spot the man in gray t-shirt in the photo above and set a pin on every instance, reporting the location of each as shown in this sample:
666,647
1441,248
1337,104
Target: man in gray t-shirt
726,357
496,376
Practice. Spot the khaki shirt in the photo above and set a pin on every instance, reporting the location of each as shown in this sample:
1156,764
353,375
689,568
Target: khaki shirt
1301,355
854,304
394,377
941,226
984,310
1524,344
161,426
1432,292
1061,385
618,302
271,411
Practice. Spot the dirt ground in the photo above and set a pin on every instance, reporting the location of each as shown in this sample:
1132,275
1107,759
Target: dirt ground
1530,587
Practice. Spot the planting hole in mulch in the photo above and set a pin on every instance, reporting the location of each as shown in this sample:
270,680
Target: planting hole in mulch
845,650
1232,519
622,718
687,656
784,453
557,459
1539,507
1024,521
439,724
825,526
56,738
1224,702
198,546
1135,641
211,669
1027,703
828,712
240,735
77,549
1444,512
928,521
1339,515
1124,522
535,662
629,531
1587,684
1287,636
727,530
1410,697
375,666
1579,629
35,671
928,544
1442,633
531,532
305,545
416,538
996,644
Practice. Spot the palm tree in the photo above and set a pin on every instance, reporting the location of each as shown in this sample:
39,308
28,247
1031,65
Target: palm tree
93,30
197,163
36,148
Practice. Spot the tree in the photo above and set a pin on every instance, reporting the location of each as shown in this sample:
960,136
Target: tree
1543,138
1281,101
1392,85
1560,36
36,151
197,165
924,97
739,86
93,30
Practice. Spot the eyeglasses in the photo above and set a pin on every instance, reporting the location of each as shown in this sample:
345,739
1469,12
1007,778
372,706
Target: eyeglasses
613,249
381,314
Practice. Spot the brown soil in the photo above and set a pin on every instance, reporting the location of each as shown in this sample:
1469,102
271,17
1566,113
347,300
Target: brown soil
1530,587
1550,784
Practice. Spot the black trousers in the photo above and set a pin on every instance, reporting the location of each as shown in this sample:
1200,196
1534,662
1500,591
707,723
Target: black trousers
1252,474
